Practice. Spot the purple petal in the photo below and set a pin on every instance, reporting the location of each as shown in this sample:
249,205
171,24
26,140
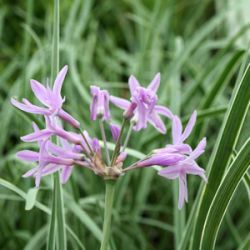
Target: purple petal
161,160
59,81
155,83
163,111
70,136
156,121
196,170
50,169
171,172
133,84
31,172
182,191
63,152
189,126
40,92
58,160
200,149
66,173
35,127
181,149
140,117
115,131
68,118
28,155
28,107
37,136
106,115
119,102
38,179
176,130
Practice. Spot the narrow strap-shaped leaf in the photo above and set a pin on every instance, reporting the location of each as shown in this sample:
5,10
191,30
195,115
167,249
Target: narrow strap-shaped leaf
222,151
222,80
85,219
38,205
223,196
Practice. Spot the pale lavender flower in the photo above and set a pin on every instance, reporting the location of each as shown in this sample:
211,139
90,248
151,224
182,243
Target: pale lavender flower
178,159
99,107
50,98
146,109
184,167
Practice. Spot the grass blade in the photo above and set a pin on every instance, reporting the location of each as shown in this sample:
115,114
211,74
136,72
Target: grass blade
223,196
223,150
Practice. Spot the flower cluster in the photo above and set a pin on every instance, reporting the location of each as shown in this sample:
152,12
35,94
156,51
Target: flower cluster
77,148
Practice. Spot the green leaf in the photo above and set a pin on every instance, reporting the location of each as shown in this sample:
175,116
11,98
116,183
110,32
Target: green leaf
223,196
85,219
31,198
38,239
222,151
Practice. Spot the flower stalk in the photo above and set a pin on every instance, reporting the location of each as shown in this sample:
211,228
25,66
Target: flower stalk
109,200
104,141
128,136
118,143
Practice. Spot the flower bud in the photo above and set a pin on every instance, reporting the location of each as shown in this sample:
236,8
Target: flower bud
129,113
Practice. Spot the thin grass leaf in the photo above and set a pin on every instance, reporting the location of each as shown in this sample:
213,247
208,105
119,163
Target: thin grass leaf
223,196
223,149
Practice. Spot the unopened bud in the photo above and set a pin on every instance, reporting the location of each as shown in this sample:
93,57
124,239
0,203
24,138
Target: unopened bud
129,113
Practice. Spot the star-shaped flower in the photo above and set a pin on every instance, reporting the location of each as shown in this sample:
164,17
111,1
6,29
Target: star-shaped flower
50,98
146,108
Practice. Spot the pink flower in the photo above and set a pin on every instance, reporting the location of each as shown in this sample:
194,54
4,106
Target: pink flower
99,107
178,159
143,101
50,98
184,167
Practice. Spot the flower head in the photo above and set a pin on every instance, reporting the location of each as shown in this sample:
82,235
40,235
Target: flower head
50,97
100,104
143,104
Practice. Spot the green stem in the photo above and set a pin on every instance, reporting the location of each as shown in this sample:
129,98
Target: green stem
128,136
118,143
109,200
57,217
104,141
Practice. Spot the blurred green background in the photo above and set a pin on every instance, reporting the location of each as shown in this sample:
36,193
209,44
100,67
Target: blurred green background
201,49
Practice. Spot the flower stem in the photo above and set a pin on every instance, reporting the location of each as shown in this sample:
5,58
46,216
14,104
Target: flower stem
128,136
109,199
118,143
87,143
104,141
